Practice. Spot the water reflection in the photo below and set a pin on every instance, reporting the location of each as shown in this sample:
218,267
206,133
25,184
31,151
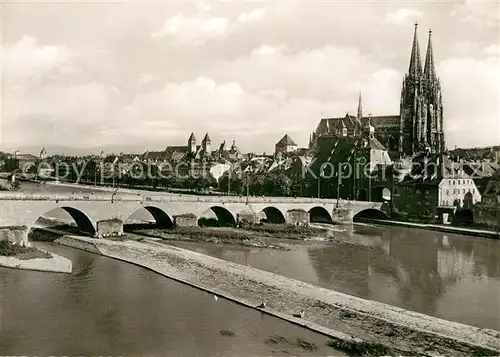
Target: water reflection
450,276
416,269
113,308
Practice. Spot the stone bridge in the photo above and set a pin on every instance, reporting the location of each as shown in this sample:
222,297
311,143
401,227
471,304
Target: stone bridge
94,213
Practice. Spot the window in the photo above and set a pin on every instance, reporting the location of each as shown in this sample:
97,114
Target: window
447,192
463,190
453,182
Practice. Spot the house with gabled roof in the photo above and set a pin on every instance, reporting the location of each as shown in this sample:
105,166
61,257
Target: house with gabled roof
285,145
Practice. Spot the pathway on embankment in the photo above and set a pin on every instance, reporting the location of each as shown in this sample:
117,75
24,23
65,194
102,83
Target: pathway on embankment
338,315
437,227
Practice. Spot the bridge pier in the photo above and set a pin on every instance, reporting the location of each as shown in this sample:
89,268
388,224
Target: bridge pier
185,220
109,227
298,216
15,234
342,215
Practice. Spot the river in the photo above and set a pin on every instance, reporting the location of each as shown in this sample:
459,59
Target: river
106,307
449,276
115,305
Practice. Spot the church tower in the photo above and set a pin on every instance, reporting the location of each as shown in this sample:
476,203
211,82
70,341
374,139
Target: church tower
360,108
206,144
421,110
432,92
192,143
412,124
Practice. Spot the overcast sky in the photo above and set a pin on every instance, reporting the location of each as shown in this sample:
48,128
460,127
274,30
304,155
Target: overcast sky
147,74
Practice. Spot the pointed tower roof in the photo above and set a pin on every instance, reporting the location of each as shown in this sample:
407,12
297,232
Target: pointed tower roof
286,140
360,107
415,68
207,138
430,68
192,137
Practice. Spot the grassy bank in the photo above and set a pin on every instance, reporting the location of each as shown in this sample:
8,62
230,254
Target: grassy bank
263,235
52,233
211,235
8,249
288,231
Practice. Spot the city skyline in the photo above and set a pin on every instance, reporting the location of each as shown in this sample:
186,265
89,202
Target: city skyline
160,71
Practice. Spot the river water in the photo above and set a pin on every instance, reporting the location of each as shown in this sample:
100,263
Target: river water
106,306
449,276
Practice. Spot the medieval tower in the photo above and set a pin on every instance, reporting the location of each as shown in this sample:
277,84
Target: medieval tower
206,144
421,107
192,143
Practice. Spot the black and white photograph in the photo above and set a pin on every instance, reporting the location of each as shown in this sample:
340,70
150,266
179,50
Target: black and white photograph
229,178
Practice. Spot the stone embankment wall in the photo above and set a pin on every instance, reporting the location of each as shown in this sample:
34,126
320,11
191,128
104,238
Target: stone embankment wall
78,243
338,315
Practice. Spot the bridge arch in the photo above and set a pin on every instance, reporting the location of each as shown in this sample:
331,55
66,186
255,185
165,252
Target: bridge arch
162,219
320,215
82,220
274,215
370,213
224,216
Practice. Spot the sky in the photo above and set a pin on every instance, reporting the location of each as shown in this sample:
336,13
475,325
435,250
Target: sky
144,75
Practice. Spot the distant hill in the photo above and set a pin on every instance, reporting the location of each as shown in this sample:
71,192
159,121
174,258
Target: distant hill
489,152
79,151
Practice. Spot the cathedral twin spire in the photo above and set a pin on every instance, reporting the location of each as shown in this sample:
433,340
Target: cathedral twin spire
421,126
415,69
430,68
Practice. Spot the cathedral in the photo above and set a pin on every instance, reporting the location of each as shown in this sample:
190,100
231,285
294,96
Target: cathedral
419,125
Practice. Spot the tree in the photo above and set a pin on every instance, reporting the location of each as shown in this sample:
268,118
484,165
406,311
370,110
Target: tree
277,184
231,181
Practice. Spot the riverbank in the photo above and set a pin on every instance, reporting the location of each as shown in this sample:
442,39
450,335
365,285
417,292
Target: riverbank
343,317
30,258
436,227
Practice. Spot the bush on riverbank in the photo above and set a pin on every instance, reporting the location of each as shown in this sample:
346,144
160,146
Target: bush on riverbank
211,235
9,249
227,333
245,232
283,230
45,235
305,345
361,349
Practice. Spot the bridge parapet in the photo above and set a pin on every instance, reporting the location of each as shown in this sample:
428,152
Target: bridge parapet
16,196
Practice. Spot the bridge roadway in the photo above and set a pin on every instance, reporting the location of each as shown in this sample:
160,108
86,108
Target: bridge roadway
92,211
